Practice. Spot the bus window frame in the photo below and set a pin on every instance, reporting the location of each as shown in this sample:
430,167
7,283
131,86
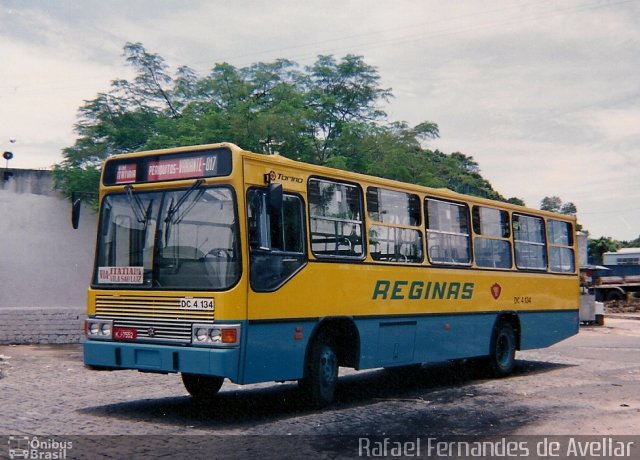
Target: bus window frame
505,236
155,286
276,252
401,227
543,244
362,222
552,246
469,239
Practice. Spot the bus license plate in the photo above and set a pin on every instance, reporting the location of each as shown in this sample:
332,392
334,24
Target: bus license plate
189,303
124,333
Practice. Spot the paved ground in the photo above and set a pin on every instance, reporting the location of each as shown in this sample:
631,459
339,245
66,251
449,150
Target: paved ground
587,385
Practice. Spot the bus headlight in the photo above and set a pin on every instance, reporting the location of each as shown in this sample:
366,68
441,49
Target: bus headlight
219,335
215,335
105,329
98,328
201,334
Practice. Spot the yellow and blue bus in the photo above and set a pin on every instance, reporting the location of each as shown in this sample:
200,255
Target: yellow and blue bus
218,263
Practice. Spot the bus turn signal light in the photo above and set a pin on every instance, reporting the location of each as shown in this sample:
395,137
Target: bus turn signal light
229,336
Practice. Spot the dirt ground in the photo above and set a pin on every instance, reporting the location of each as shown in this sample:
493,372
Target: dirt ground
623,306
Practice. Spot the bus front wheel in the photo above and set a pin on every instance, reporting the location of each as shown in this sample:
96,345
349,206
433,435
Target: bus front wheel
202,386
503,350
321,377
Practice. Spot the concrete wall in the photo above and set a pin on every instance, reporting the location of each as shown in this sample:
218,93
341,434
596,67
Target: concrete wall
45,265
40,325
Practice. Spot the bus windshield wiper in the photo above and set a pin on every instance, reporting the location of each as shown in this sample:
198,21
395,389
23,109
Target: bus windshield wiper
173,209
172,218
136,205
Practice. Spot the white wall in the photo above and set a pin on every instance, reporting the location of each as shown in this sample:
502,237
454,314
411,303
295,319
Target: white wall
44,262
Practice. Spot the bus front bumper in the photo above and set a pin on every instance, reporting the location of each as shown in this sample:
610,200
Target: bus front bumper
109,355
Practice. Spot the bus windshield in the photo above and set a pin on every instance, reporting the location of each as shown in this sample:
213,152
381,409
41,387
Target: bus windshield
179,239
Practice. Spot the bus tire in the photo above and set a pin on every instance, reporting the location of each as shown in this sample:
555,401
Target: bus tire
321,376
202,386
503,350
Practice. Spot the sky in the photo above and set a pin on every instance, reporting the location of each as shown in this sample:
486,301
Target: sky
544,95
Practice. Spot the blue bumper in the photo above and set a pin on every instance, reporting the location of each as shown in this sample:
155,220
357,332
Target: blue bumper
162,358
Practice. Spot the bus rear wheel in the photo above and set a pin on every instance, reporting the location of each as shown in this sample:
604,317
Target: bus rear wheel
202,386
502,358
321,377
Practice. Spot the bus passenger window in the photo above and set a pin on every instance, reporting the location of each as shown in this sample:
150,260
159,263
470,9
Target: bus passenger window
530,244
448,240
397,237
335,214
492,253
493,248
561,255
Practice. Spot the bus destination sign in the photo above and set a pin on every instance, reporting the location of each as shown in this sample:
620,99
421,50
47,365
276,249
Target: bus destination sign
182,168
157,168
126,173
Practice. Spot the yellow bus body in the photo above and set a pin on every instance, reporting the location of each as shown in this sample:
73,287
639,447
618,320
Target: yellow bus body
381,313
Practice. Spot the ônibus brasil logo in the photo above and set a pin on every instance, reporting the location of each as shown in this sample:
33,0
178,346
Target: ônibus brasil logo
25,447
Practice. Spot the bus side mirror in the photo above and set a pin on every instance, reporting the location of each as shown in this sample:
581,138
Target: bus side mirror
76,202
274,199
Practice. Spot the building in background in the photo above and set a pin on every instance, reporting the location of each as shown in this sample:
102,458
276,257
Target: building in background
45,265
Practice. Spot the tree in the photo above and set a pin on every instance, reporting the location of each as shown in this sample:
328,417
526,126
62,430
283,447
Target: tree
551,203
328,113
630,244
555,204
515,200
569,208
339,93
596,248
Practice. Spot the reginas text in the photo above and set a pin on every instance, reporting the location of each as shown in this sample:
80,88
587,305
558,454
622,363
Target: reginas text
422,290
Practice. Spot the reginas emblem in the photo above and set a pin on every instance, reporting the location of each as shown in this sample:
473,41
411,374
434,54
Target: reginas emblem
496,290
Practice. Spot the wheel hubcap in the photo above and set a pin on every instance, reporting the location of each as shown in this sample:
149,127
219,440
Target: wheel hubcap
328,368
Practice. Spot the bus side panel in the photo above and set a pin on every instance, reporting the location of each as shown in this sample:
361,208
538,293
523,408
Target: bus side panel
275,350
543,329
455,336
406,340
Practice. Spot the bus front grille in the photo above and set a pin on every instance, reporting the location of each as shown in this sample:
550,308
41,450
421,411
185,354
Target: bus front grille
155,318
155,330
146,306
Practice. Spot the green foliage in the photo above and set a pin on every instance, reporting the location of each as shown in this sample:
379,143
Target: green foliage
328,113
551,203
596,248
631,244
555,204
73,179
